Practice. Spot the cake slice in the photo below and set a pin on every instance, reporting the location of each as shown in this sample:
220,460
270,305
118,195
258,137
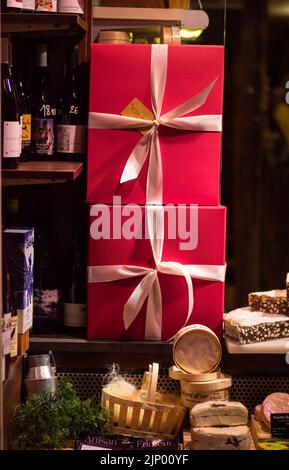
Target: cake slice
219,413
227,438
272,301
246,326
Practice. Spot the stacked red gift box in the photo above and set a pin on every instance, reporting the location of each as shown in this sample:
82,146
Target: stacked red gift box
156,258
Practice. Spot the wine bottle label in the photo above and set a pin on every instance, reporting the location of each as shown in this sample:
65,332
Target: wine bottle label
46,303
75,315
14,4
70,6
46,5
26,129
20,133
28,5
43,136
11,139
6,333
14,336
71,139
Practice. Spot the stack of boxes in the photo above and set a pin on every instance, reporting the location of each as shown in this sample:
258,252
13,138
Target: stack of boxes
156,256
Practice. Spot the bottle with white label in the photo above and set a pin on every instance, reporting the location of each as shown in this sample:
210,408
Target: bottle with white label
43,110
11,118
72,116
11,6
70,6
75,292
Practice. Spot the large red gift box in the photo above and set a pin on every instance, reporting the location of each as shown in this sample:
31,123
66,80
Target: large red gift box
106,300
190,158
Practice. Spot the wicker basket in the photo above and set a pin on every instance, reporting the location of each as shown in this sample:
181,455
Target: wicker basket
144,419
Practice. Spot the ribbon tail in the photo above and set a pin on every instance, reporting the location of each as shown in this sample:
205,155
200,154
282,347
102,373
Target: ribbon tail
154,188
137,299
153,327
136,159
202,123
191,104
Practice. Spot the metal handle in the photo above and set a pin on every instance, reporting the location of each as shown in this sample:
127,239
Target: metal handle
52,360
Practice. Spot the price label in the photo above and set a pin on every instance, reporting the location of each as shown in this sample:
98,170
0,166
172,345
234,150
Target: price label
47,110
74,109
280,425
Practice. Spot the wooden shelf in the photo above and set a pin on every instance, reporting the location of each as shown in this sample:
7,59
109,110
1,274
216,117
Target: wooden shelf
41,173
79,354
113,16
48,23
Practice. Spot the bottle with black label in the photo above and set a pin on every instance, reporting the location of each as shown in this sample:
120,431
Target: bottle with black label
72,116
75,292
11,117
43,111
47,295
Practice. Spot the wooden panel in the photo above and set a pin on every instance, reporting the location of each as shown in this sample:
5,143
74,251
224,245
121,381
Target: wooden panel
11,396
247,153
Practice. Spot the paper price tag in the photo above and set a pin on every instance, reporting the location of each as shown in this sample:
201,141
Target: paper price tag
138,110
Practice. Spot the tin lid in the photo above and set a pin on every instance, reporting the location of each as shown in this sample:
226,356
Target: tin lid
197,350
119,37
178,374
223,382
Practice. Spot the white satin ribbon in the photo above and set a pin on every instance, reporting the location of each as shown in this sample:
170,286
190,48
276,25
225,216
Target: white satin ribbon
149,144
149,286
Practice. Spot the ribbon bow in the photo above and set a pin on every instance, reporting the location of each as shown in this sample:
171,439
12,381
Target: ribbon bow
149,143
149,286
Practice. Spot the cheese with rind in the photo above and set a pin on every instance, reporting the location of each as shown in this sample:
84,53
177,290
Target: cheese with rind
219,413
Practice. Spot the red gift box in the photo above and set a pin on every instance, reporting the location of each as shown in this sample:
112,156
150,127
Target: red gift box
190,158
106,300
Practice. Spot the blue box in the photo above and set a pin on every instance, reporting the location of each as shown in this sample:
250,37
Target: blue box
19,244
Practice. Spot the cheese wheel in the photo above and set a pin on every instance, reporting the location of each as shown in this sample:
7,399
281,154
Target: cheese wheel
274,403
197,350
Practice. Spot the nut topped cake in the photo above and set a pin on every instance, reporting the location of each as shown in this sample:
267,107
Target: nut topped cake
272,301
246,326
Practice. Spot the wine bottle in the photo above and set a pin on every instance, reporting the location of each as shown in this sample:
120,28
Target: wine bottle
11,118
6,320
72,116
25,108
11,6
75,295
47,296
43,112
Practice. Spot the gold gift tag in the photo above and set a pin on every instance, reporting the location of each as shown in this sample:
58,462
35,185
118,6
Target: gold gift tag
138,110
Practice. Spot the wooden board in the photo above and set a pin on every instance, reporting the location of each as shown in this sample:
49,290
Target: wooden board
275,346
41,172
11,395
262,436
38,22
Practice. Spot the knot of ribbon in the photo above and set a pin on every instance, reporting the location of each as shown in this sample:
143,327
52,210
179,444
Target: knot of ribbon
149,144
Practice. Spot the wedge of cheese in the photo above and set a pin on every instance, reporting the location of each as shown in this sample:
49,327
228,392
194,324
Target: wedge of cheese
226,438
219,413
